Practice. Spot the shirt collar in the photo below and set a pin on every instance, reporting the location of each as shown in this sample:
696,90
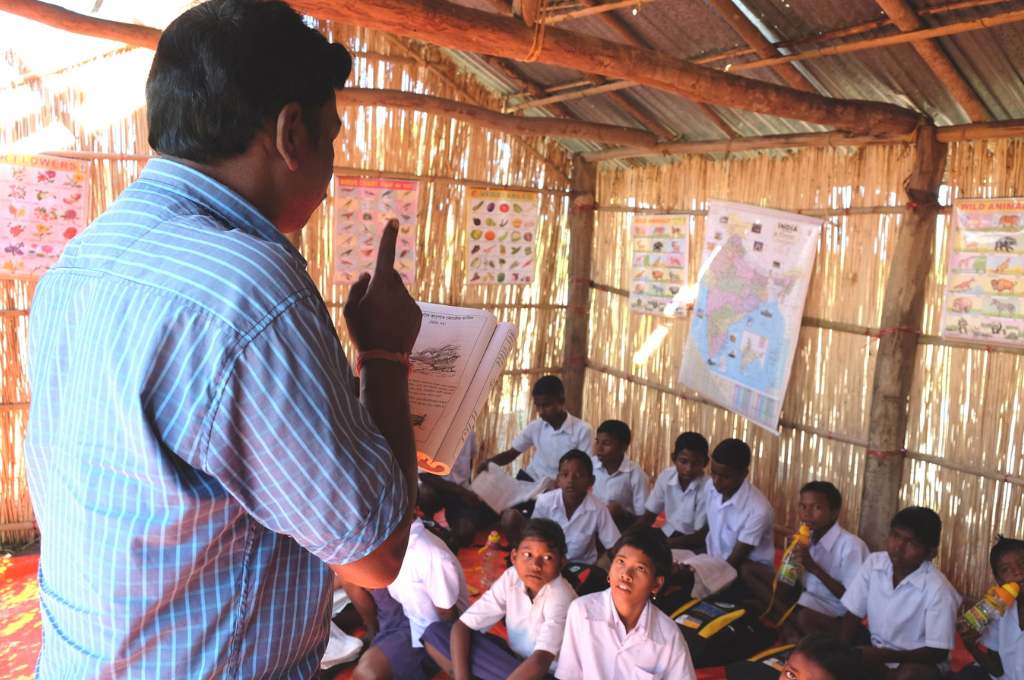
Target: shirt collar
917,578
694,485
568,425
740,496
644,629
828,541
199,188
588,504
626,466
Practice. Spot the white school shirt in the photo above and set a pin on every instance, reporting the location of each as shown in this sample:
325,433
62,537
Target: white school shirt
840,554
1006,637
550,445
536,625
685,509
627,486
431,578
919,612
596,645
591,520
747,517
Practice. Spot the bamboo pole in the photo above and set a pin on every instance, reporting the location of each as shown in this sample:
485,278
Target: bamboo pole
449,25
581,244
83,24
902,308
478,115
572,95
885,41
906,19
556,17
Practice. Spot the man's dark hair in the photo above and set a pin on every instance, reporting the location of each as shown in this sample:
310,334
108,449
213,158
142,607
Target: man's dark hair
838,660
224,69
582,457
691,441
1003,546
616,429
651,542
549,386
923,523
733,453
545,530
828,490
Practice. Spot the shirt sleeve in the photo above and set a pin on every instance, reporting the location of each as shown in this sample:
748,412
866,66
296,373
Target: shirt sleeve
990,637
569,665
940,618
755,525
527,438
638,480
491,606
855,599
656,500
288,438
585,438
854,556
552,630
444,580
544,509
680,665
700,506
607,532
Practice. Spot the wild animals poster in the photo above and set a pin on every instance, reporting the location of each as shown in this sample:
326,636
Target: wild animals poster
660,269
362,207
44,203
502,230
984,295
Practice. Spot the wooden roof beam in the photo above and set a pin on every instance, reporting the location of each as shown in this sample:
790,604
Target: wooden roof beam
751,35
903,15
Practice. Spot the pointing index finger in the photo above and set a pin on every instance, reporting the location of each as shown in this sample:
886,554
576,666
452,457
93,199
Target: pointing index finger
386,251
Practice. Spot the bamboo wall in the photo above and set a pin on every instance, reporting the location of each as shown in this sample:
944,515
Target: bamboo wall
966,402
372,139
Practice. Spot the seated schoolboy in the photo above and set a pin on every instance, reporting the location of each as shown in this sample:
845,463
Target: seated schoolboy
618,481
910,606
531,597
830,564
740,518
554,432
681,493
1000,649
617,633
464,511
429,587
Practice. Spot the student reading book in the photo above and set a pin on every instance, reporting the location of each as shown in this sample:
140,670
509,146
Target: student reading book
458,356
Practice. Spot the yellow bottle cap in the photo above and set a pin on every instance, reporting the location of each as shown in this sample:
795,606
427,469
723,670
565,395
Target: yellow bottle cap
804,531
1008,592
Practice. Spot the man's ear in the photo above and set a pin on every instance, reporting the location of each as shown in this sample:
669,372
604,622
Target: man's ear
289,134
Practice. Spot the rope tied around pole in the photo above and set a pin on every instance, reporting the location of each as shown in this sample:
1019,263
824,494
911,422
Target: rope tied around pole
539,29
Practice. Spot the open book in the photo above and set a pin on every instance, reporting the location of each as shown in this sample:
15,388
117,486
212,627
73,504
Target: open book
457,358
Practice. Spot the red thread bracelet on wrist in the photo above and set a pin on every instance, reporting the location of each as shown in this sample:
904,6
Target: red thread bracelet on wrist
382,355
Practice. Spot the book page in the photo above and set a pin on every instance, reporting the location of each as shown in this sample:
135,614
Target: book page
500,490
445,361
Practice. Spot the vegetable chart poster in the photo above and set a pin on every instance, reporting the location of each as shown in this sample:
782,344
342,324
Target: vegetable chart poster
44,203
502,229
362,207
660,257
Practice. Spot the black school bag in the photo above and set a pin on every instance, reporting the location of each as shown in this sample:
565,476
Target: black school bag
717,632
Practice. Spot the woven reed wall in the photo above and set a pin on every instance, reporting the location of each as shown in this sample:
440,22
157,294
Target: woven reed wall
965,401
374,139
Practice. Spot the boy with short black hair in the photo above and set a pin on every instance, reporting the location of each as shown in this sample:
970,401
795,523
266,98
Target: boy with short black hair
618,481
830,563
681,493
910,606
1000,649
740,518
554,432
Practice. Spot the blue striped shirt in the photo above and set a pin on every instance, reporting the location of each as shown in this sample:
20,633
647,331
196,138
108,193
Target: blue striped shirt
195,451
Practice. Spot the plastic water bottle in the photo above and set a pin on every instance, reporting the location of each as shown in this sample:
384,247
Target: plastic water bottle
995,603
493,564
791,570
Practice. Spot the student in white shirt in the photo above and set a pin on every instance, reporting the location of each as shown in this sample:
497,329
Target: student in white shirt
1003,653
740,518
618,481
618,634
553,433
681,493
910,606
531,597
830,563
429,587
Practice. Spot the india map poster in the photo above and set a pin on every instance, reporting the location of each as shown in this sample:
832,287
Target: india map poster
984,296
502,227
362,208
660,269
751,291
44,203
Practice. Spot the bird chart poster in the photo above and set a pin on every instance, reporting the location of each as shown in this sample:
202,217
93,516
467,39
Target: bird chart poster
660,269
44,203
362,208
984,295
502,231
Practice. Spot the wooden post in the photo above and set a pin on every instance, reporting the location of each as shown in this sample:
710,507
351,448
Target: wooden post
897,345
581,244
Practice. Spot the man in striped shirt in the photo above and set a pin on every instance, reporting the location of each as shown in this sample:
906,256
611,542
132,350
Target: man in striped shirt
196,453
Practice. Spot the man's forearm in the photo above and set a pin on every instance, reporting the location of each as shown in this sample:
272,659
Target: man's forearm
384,389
